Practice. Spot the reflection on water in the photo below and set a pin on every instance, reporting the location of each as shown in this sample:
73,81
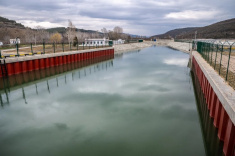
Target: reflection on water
178,62
213,146
52,75
132,106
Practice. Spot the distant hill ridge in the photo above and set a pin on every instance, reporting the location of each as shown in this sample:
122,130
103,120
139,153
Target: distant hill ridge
223,29
6,23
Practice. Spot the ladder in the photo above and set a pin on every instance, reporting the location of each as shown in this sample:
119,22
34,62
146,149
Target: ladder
3,68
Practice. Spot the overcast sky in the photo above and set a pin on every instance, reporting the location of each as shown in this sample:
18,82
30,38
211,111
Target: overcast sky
141,17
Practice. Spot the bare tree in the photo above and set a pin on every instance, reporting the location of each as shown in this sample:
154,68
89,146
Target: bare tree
105,32
116,33
118,30
71,31
29,35
82,36
42,34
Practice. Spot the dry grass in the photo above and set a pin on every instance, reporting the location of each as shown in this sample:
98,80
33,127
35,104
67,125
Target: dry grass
48,49
222,71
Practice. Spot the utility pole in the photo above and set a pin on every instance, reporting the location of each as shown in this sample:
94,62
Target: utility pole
195,35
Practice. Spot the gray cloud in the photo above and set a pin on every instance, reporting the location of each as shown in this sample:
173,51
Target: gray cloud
139,17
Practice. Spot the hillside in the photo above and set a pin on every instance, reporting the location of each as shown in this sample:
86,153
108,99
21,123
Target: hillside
174,33
6,23
223,29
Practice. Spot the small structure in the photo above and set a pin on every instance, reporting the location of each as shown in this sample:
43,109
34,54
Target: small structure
1,43
15,41
102,42
119,41
96,42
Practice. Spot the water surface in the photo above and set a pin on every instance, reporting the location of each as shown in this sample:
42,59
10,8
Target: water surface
140,103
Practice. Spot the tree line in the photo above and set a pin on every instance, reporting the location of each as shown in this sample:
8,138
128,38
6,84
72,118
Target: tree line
71,35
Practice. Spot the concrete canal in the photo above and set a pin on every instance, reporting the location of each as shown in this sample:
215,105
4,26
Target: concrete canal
140,103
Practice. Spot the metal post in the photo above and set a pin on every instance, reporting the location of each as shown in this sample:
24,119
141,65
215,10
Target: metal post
70,46
63,46
83,45
221,58
17,49
230,49
209,50
205,51
77,46
212,52
208,53
32,48
43,46
54,46
217,47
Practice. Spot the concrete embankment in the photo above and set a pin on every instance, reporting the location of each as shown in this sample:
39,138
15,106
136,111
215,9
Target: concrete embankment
219,96
184,47
220,100
16,65
121,48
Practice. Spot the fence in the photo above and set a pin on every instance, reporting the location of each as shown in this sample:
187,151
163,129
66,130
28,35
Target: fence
183,40
44,48
220,55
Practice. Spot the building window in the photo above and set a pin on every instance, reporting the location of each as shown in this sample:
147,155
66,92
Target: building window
100,42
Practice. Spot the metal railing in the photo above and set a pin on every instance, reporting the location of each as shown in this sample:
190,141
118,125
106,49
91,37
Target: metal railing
45,48
220,55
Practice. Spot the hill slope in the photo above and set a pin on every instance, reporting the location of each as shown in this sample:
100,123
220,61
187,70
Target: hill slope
223,29
173,33
6,23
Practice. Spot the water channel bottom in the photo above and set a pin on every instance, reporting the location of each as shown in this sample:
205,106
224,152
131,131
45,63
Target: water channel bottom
141,103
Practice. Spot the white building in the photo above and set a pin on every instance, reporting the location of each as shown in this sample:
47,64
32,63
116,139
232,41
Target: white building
15,41
1,43
120,41
96,42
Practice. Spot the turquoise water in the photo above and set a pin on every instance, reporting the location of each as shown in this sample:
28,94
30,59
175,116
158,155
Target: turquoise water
140,103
